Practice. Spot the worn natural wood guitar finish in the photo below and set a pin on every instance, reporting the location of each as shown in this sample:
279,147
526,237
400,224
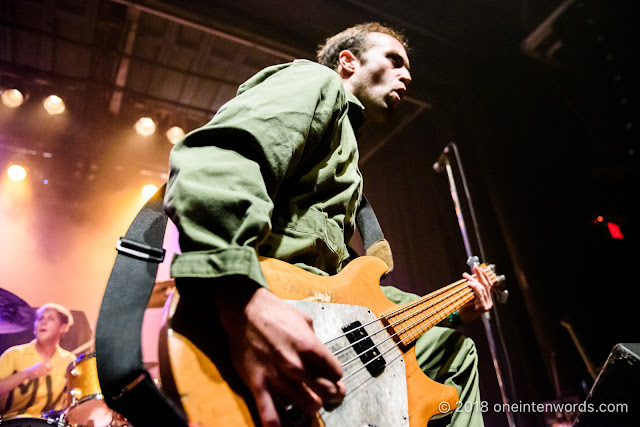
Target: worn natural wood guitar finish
212,394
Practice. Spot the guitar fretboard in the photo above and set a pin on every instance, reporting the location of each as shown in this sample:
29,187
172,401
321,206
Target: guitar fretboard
413,319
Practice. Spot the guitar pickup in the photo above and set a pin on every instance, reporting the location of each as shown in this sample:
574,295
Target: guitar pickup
365,348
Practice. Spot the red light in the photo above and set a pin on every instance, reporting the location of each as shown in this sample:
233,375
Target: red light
614,229
600,219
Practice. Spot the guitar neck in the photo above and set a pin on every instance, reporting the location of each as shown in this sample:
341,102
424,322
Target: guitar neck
411,320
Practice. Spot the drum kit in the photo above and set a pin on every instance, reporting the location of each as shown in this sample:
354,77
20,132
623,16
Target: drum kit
85,403
86,406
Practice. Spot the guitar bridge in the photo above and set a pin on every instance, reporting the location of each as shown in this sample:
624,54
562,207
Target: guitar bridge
365,348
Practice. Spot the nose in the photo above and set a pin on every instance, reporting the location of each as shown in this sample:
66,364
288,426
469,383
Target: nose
405,76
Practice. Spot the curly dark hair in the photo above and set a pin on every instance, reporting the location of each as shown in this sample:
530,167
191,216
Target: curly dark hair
355,40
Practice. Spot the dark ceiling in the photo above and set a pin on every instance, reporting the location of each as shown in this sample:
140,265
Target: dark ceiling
114,60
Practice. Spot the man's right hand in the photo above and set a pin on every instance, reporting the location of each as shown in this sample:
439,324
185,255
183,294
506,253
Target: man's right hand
12,381
38,370
276,352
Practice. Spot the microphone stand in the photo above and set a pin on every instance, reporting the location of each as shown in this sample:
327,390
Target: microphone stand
471,260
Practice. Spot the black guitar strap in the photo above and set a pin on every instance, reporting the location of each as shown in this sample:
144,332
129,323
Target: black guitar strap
125,383
369,228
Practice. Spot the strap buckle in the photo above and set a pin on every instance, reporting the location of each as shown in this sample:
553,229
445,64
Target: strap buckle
140,250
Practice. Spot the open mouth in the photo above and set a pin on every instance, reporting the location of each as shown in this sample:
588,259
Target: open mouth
395,98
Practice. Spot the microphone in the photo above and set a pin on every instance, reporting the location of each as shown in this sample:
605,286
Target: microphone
438,166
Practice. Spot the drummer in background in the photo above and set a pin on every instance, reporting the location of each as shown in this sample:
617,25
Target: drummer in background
32,375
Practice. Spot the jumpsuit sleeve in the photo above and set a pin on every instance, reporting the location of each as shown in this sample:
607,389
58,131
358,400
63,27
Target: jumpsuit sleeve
225,175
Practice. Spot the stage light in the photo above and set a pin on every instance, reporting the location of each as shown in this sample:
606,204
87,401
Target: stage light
53,104
16,173
614,230
145,126
148,191
12,98
175,134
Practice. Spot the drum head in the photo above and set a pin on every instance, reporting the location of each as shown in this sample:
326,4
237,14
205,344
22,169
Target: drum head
92,412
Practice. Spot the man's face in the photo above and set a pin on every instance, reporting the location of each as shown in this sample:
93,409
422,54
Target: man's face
48,327
381,76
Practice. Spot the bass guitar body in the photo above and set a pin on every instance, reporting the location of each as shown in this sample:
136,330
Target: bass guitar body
351,315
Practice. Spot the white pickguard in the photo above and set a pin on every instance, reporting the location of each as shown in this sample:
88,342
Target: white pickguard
371,401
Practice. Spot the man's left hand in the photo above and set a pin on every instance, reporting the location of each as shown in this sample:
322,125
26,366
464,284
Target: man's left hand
482,303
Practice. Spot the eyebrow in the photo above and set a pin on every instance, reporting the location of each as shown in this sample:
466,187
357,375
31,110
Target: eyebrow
396,54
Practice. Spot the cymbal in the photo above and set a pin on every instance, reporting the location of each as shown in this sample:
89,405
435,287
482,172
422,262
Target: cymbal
15,314
160,293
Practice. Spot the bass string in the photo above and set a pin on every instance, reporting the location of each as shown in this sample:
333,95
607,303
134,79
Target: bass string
406,307
350,375
353,387
461,293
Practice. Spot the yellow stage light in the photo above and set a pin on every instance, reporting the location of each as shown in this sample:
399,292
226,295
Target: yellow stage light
16,173
12,98
148,191
175,134
54,105
145,126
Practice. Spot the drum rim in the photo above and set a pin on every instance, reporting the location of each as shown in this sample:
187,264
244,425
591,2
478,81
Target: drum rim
86,398
80,359
89,355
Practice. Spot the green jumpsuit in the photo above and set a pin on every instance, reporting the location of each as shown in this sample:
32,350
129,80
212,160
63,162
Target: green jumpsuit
275,173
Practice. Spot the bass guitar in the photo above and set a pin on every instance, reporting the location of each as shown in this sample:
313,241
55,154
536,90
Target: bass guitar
372,337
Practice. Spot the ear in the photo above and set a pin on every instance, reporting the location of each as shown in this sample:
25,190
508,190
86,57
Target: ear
348,62
64,329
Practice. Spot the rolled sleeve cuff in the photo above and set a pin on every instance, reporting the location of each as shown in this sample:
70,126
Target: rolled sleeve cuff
241,261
